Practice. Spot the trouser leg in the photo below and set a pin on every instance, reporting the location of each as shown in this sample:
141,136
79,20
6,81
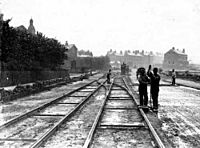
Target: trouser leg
108,81
155,99
141,98
145,98
173,81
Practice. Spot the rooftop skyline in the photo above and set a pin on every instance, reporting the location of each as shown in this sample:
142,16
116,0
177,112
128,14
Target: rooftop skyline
101,25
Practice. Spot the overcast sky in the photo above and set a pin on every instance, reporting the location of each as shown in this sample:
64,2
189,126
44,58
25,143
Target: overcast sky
100,25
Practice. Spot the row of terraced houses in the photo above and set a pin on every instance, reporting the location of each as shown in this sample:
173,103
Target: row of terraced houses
172,59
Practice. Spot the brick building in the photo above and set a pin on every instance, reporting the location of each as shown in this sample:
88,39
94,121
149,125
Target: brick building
114,56
175,59
136,58
70,57
133,59
76,61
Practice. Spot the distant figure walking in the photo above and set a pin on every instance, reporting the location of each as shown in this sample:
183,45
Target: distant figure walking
143,81
155,80
173,77
108,76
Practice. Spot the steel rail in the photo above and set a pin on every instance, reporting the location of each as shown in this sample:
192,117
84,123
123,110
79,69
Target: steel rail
121,108
20,117
49,133
118,85
155,135
20,139
136,84
97,120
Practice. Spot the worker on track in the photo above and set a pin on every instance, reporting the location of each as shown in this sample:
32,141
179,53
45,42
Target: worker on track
155,80
173,77
143,81
108,76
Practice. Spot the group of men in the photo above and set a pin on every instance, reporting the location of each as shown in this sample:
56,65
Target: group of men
145,78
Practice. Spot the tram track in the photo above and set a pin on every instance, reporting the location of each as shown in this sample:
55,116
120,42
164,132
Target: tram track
178,116
21,125
119,119
109,112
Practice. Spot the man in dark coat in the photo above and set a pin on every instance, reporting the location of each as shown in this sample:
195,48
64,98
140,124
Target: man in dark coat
173,77
143,81
155,80
108,76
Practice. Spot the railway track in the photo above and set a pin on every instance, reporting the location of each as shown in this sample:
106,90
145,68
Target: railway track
120,123
31,129
95,115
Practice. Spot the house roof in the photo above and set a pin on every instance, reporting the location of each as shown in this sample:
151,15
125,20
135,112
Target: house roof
111,52
70,46
176,51
118,54
83,55
134,54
